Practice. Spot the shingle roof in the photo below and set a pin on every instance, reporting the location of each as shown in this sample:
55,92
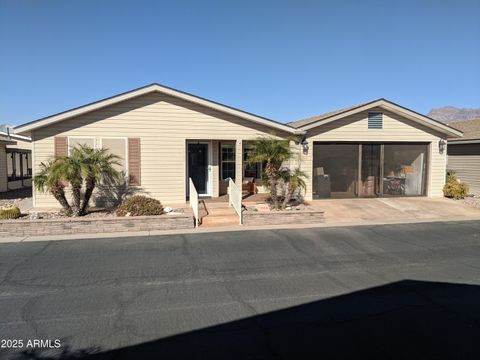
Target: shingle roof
312,119
470,129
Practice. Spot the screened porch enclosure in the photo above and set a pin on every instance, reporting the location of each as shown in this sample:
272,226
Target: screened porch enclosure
349,170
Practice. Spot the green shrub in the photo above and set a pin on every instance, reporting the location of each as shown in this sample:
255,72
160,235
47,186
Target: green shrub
139,205
11,212
454,188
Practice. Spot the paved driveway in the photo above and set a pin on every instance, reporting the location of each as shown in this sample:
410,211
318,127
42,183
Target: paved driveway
394,210
396,291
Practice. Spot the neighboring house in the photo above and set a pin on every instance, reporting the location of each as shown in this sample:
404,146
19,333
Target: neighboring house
166,136
464,154
15,160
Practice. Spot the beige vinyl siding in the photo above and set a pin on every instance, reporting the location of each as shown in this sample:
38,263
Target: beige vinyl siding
354,128
164,124
3,168
464,160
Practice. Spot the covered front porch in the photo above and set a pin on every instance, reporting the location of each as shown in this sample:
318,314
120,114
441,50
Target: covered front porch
211,163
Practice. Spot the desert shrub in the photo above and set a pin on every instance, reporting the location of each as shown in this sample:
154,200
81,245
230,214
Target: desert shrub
11,212
454,188
139,205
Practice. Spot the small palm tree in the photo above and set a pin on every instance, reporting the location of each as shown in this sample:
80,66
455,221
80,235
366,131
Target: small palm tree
273,152
71,167
294,184
84,165
97,166
51,179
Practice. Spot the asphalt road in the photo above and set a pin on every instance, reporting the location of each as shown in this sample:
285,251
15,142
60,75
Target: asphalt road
393,291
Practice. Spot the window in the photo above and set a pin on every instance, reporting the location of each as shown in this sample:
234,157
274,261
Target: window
19,164
251,170
375,120
228,161
117,146
75,141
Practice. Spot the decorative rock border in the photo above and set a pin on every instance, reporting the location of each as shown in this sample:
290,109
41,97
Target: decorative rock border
65,226
283,217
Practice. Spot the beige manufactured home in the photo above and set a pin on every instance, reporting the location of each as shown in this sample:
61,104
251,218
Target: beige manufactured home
166,136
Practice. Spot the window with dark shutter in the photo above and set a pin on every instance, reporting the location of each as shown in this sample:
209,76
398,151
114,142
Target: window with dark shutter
375,120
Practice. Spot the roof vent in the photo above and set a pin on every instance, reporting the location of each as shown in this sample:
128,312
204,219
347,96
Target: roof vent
375,120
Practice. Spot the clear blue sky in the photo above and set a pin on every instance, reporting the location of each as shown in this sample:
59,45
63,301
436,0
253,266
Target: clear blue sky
281,59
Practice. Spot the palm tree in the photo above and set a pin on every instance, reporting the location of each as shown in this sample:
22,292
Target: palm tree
84,164
71,167
51,178
294,183
273,152
97,166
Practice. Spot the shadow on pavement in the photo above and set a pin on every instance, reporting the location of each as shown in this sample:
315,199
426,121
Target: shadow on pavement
403,320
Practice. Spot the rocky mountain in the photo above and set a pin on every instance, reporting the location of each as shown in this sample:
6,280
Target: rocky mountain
448,114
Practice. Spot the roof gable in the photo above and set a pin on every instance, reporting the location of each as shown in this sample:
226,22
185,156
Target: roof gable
49,120
319,120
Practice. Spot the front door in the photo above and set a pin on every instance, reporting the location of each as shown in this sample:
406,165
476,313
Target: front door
198,167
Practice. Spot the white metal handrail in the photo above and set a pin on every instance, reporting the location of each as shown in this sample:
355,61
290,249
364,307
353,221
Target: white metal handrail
193,198
235,198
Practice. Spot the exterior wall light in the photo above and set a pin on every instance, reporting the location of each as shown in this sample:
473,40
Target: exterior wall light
305,146
442,144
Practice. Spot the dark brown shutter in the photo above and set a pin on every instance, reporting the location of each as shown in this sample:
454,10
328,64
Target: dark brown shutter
61,146
134,162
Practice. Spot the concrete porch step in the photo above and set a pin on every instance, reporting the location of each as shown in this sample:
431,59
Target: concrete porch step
216,205
219,216
218,220
221,211
212,221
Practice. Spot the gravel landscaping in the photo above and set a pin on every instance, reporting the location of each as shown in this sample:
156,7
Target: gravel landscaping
91,214
22,198
473,200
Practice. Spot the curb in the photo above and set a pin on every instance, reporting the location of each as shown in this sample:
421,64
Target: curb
94,236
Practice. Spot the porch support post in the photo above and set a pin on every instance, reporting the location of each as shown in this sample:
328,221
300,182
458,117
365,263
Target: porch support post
238,162
215,169
306,164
